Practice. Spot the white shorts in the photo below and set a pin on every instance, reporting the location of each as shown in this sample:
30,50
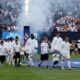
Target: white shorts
31,56
21,53
65,56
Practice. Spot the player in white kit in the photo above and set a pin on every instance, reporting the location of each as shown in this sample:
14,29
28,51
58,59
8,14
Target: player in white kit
44,51
2,52
56,45
17,49
10,51
66,52
55,59
30,48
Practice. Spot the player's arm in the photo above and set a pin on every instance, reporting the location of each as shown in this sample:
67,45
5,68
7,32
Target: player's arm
62,47
42,48
36,44
53,44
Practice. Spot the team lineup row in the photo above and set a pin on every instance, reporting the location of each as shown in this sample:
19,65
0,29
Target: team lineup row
11,51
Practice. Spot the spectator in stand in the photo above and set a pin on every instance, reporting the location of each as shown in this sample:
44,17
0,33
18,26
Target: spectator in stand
72,47
66,28
79,46
72,28
2,52
76,48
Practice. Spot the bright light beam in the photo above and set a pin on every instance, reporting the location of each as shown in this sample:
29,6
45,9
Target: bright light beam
26,6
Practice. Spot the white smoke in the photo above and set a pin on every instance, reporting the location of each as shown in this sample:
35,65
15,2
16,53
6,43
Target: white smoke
38,14
34,14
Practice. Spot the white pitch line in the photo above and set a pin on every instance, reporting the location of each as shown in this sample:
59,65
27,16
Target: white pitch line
76,62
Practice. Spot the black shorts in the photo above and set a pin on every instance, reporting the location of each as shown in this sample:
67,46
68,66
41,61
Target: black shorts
56,62
17,55
71,50
2,58
79,50
44,57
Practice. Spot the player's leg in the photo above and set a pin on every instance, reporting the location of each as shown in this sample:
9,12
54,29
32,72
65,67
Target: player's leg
26,55
69,64
47,64
69,61
12,60
40,63
31,61
55,63
41,59
18,59
15,60
18,62
2,59
9,59
47,58
30,58
62,62
6,58
59,64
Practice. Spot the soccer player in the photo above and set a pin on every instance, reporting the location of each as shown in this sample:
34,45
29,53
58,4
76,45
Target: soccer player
10,51
17,48
2,52
7,50
56,45
55,59
66,52
44,51
30,48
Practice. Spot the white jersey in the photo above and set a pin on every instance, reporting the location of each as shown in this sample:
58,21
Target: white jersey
31,45
5,44
56,43
65,50
36,45
17,47
55,57
10,47
2,50
44,48
22,50
66,47
14,42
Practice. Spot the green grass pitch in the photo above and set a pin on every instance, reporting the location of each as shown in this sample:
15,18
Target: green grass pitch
35,73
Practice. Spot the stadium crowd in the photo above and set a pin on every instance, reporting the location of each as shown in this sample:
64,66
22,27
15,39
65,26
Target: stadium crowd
67,23
9,13
66,18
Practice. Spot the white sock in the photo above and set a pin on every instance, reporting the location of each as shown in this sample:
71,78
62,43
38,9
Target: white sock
0,62
12,62
62,65
69,64
31,61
